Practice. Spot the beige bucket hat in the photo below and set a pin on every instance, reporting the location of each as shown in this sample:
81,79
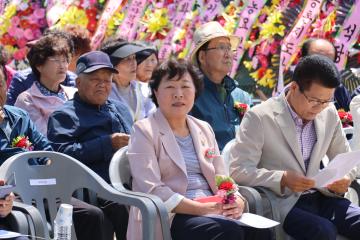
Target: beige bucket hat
207,32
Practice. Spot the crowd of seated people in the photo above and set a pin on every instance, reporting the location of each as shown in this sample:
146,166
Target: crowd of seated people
90,103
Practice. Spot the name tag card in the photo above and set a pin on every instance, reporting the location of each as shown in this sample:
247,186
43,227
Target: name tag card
43,182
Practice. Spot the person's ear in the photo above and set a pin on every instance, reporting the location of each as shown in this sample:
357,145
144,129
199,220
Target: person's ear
77,82
201,57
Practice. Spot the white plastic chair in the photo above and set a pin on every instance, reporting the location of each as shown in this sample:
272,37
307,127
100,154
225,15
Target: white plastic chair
120,178
46,186
355,112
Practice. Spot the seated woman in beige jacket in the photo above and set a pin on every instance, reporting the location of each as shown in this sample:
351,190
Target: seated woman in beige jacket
167,159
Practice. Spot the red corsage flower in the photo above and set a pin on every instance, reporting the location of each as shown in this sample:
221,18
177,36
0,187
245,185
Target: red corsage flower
210,153
346,118
22,142
241,108
226,188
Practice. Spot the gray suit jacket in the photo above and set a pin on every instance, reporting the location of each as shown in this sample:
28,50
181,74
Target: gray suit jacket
266,146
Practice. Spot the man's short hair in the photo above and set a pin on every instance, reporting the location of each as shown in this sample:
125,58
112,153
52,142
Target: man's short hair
202,48
307,43
316,69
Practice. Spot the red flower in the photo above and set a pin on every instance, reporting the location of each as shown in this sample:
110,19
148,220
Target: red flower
241,108
346,118
22,142
91,13
226,186
24,24
92,25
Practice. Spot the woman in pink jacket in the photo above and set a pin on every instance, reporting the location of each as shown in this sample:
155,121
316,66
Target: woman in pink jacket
167,156
49,59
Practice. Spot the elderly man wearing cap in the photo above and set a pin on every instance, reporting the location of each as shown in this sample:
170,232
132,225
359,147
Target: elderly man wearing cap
213,54
91,128
125,88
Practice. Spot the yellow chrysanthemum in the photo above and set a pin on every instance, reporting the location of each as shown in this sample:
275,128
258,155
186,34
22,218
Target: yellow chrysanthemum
9,11
275,17
10,49
114,22
329,20
269,30
184,53
248,65
73,15
156,21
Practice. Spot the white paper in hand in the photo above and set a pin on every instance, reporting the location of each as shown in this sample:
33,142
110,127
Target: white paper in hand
251,220
337,168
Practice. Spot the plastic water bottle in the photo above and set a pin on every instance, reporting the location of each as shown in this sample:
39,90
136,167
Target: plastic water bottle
63,222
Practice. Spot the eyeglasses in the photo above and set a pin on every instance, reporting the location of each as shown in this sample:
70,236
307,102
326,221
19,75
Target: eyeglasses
314,102
59,60
223,48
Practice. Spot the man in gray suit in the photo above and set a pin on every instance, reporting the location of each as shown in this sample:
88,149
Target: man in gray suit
280,144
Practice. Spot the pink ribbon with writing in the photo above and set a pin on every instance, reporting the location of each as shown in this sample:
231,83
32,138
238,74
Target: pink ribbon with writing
183,8
109,10
128,27
290,45
210,10
347,36
247,18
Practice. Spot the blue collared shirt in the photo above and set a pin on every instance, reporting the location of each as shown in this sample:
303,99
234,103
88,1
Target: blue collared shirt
222,116
83,131
19,124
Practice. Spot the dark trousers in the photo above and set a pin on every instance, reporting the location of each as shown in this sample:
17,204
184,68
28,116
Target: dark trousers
90,222
206,228
316,216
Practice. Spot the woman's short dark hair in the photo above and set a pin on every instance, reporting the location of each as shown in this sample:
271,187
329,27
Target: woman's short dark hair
52,44
170,69
316,69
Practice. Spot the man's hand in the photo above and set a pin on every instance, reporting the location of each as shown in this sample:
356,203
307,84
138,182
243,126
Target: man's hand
6,205
119,140
340,186
296,182
234,210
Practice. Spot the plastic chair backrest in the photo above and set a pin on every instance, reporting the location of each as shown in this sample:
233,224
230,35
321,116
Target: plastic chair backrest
226,154
355,112
119,169
46,186
120,178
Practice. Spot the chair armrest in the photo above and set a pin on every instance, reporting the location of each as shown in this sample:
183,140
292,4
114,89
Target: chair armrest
33,220
269,202
145,205
161,209
18,222
253,198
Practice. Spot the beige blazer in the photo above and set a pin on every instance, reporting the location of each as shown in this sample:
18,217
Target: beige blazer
266,146
157,165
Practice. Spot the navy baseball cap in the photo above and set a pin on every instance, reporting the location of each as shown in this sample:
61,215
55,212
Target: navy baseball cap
92,61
